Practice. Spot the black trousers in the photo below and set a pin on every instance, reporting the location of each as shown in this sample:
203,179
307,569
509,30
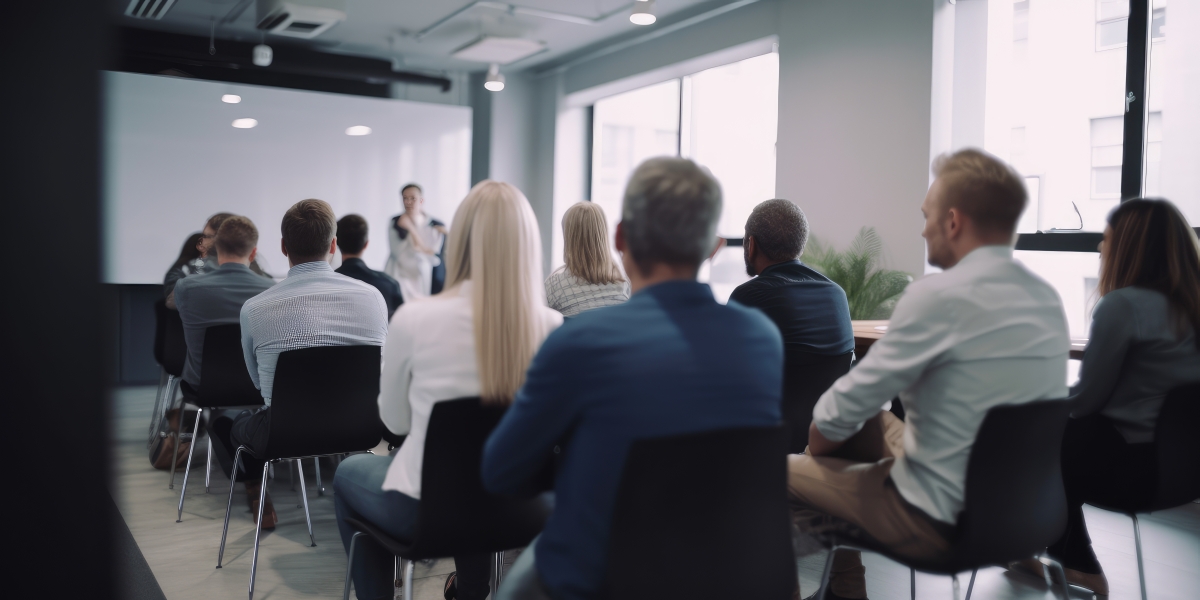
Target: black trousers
1100,467
230,428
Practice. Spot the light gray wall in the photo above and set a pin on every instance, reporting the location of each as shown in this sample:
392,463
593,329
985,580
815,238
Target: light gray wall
854,111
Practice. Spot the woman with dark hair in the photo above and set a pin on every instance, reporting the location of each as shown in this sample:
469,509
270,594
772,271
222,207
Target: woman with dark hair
1143,344
190,262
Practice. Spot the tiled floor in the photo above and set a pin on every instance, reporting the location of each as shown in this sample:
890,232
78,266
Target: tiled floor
183,555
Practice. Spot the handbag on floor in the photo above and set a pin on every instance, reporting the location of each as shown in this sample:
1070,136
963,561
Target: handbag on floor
162,448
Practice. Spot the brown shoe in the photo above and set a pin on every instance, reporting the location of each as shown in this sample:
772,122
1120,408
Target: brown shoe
269,516
1097,583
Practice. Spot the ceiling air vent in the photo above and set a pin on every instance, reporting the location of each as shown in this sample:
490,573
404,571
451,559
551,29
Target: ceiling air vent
300,18
148,9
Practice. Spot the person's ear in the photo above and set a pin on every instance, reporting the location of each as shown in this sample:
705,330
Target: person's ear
365,244
953,224
253,253
333,246
619,238
283,247
751,247
717,248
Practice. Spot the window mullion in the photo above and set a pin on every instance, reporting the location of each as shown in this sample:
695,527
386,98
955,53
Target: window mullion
1137,80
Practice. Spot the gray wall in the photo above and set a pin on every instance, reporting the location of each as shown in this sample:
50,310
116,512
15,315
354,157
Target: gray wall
854,122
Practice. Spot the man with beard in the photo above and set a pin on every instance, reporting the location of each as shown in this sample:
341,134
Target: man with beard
810,311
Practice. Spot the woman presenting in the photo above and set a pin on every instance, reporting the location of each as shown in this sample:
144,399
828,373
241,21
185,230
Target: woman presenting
416,243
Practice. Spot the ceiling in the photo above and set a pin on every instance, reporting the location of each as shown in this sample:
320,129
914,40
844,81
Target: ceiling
389,29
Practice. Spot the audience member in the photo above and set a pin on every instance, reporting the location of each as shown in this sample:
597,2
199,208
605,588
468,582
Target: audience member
475,339
590,278
810,311
189,262
216,296
312,307
670,361
984,333
1143,344
416,242
207,260
352,241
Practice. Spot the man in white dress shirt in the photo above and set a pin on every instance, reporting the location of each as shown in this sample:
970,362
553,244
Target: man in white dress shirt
984,333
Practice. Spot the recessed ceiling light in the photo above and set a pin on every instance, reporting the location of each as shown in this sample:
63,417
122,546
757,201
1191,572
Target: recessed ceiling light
643,13
231,98
358,130
244,123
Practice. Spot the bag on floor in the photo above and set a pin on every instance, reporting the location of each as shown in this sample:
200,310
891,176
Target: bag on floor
163,448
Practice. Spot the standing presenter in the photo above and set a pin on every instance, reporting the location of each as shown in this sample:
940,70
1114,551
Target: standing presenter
416,242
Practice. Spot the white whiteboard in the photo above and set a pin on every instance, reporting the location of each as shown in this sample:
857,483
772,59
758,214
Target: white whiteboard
172,158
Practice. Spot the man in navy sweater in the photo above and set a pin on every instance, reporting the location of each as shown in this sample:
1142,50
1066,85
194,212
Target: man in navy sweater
669,361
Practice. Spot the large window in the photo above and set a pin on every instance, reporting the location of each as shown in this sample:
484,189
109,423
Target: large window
724,118
1094,102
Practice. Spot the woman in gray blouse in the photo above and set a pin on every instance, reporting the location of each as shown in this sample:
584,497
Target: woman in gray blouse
590,279
1143,344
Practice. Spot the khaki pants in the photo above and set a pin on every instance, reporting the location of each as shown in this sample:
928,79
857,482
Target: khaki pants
853,487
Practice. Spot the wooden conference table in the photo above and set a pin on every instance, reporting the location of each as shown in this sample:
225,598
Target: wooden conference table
867,332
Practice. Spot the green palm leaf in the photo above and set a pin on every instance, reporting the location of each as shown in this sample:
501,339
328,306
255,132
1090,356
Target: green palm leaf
871,290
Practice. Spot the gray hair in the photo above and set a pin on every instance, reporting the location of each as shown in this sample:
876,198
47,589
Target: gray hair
779,229
670,213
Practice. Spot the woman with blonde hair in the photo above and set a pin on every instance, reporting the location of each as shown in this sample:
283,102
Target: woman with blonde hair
590,278
1143,344
476,338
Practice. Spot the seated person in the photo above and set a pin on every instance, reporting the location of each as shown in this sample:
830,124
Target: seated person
474,339
216,296
206,259
189,262
670,361
352,241
1143,344
312,307
590,278
810,311
984,333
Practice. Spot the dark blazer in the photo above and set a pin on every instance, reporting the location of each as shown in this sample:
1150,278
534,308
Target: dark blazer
356,268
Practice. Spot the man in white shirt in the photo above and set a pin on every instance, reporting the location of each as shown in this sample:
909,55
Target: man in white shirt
984,333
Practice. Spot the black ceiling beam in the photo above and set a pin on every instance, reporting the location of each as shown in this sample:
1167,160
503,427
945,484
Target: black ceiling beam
293,65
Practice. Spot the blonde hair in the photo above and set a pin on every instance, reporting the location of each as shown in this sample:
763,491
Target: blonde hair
494,241
585,238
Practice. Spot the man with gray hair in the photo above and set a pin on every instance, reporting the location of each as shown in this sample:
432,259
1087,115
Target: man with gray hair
810,311
670,361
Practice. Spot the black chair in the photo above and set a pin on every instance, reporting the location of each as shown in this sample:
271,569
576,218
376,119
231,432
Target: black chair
324,402
457,516
1178,449
1015,505
665,538
170,352
224,381
805,377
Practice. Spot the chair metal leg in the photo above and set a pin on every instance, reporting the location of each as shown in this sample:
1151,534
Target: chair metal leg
237,462
262,499
971,586
350,563
292,474
208,467
397,578
1137,542
188,469
408,577
912,582
954,584
497,572
825,574
320,483
178,441
304,497
1062,575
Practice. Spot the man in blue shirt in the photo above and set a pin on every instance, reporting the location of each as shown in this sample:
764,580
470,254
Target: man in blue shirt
810,310
669,361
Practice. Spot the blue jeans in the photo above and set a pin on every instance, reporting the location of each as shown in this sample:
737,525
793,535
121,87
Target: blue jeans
359,494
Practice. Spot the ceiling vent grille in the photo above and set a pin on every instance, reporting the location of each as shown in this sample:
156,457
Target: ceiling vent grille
148,9
300,18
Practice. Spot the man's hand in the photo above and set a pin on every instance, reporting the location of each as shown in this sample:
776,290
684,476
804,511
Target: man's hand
818,444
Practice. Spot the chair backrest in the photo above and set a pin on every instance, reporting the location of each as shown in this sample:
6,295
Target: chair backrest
1178,447
325,400
170,349
224,378
703,515
1015,504
457,515
805,377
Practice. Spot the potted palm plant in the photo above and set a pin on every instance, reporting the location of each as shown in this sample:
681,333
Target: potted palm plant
871,289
